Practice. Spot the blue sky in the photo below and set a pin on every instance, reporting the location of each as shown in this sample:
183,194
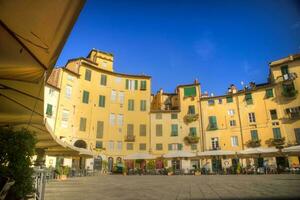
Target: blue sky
217,42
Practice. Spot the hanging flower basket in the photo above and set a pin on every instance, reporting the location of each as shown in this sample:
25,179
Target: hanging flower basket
190,118
191,139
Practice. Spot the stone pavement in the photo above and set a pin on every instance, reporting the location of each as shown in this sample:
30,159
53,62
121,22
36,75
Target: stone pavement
118,187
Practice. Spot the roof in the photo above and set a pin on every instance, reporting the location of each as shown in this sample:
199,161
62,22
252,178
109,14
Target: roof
53,79
287,59
99,51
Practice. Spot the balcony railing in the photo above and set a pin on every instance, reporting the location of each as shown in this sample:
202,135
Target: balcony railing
129,138
286,77
191,139
190,118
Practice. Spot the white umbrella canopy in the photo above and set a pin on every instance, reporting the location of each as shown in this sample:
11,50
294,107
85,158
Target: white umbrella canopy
292,150
258,150
216,153
32,35
179,154
137,156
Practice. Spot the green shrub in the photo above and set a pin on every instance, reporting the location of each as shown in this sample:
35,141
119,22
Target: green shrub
151,165
17,149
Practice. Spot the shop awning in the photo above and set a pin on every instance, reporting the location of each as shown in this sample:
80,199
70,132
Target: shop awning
258,151
179,154
216,153
137,156
32,35
293,150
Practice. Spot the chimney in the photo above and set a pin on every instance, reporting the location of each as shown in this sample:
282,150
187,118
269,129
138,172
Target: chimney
232,89
252,85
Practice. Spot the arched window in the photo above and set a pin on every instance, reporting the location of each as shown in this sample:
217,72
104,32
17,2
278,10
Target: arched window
80,144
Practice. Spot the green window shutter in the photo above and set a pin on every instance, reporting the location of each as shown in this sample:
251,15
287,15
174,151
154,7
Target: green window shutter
229,99
180,146
284,70
143,105
193,131
136,84
174,116
130,104
269,93
174,130
127,84
212,122
103,79
170,147
85,97
276,133
101,101
143,85
49,110
100,128
88,74
191,110
82,126
190,92
248,98
254,135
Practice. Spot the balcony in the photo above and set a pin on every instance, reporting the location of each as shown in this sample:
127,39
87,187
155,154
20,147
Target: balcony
190,118
253,143
289,93
215,148
286,77
191,139
129,138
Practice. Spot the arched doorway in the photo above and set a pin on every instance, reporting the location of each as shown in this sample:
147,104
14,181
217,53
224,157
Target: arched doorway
80,144
98,163
110,164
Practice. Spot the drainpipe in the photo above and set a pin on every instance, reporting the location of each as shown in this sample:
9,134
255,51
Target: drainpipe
240,121
201,124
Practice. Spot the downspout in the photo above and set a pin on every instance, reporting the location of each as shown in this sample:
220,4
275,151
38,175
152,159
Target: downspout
201,123
240,121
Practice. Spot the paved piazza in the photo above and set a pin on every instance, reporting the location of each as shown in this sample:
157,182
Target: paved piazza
176,187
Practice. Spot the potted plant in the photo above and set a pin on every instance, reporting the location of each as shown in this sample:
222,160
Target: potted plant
170,171
197,172
63,172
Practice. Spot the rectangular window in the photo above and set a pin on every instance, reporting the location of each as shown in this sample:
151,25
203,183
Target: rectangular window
232,123
119,146
136,86
143,85
49,110
103,80
142,147
229,99
190,92
65,119
248,98
234,141
70,77
174,130
159,131
101,101
129,146
276,133
175,146
120,120
130,104
121,97
220,101
130,84
193,131
212,122
82,126
99,144
273,114
143,130
284,70
130,128
112,119
179,146
174,116
68,91
230,112
100,129
85,96
254,135
88,75
143,105
251,117
269,93
110,145
211,102
158,116
170,147
191,110
113,97
194,147
159,147
215,143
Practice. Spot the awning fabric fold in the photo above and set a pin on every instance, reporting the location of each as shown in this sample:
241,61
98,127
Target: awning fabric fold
137,156
179,154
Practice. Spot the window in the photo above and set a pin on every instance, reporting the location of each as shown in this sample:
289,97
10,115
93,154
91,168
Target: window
143,85
49,109
174,116
212,123
248,98
159,147
234,141
175,146
119,146
70,77
82,126
142,146
112,119
130,104
110,145
88,75
99,144
103,80
232,123
211,102
130,129
251,117
129,146
189,92
269,93
220,101
136,84
229,99
284,70
85,96
193,131
130,84
100,128
113,96
120,120
143,105
121,97
143,130
276,133
231,112
174,130
215,143
194,147
65,119
273,114
158,116
101,101
68,91
159,130
51,91
104,64
191,110
254,135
